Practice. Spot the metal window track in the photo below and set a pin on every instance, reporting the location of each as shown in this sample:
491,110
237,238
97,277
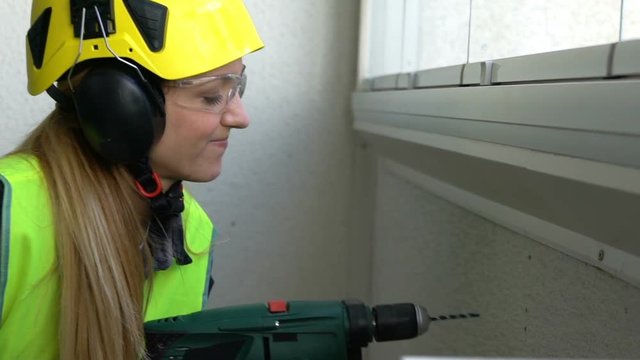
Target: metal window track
572,113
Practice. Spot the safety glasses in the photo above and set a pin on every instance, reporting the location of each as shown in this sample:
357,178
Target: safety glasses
208,93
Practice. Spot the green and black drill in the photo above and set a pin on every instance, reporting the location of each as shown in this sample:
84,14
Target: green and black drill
281,330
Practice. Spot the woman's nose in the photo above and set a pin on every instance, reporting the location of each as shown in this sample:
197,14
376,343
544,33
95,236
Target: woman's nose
235,115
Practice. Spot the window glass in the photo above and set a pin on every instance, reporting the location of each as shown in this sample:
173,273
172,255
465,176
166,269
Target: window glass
412,35
386,37
631,20
506,28
443,33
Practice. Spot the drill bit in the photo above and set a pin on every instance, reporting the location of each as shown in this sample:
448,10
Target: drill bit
454,317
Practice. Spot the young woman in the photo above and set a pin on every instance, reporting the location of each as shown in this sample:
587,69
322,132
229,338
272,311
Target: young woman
97,234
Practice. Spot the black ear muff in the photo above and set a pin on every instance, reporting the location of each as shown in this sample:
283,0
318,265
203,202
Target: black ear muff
121,113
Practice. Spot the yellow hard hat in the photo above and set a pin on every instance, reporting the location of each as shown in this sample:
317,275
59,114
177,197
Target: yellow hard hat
171,38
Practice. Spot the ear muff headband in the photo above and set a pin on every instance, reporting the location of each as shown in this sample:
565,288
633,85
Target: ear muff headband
121,114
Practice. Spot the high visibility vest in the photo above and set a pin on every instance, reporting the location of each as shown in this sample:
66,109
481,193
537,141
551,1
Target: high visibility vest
29,280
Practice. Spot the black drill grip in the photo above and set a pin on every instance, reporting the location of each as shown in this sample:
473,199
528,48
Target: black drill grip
360,332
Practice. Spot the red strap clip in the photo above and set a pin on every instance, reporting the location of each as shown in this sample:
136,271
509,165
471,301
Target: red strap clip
154,193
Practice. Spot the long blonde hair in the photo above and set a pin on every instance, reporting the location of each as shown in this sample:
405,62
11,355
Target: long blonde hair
101,223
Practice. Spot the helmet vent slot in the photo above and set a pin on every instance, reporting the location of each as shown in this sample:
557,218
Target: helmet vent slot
37,36
151,20
92,26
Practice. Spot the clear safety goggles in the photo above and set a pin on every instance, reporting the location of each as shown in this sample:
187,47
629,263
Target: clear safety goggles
208,93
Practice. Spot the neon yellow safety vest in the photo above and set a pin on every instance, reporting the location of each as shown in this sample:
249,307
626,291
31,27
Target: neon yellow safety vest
29,282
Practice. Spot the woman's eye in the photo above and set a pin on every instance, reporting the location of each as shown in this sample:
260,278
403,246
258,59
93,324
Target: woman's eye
212,100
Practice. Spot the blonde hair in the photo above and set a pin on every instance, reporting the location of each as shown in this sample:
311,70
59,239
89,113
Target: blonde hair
101,228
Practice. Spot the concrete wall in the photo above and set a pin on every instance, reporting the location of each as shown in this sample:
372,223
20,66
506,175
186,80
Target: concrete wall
533,301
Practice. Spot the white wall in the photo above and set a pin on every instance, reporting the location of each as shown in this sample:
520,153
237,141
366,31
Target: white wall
282,201
20,111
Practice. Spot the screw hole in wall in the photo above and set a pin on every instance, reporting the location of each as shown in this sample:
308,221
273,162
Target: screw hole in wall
600,255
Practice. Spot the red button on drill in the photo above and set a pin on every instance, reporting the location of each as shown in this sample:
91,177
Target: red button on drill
277,306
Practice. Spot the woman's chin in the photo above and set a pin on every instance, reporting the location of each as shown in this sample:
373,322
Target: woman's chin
205,176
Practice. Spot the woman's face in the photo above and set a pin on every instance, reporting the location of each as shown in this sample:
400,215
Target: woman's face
194,138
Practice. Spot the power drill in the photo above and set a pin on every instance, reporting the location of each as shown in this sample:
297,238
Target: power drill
281,330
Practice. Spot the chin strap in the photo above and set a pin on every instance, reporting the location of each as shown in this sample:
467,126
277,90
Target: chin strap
166,235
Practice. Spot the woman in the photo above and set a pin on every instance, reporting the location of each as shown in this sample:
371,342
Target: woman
97,235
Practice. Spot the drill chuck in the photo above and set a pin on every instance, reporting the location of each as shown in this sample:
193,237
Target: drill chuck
384,322
399,321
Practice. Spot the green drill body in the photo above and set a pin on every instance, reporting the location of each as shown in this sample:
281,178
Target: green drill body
295,330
